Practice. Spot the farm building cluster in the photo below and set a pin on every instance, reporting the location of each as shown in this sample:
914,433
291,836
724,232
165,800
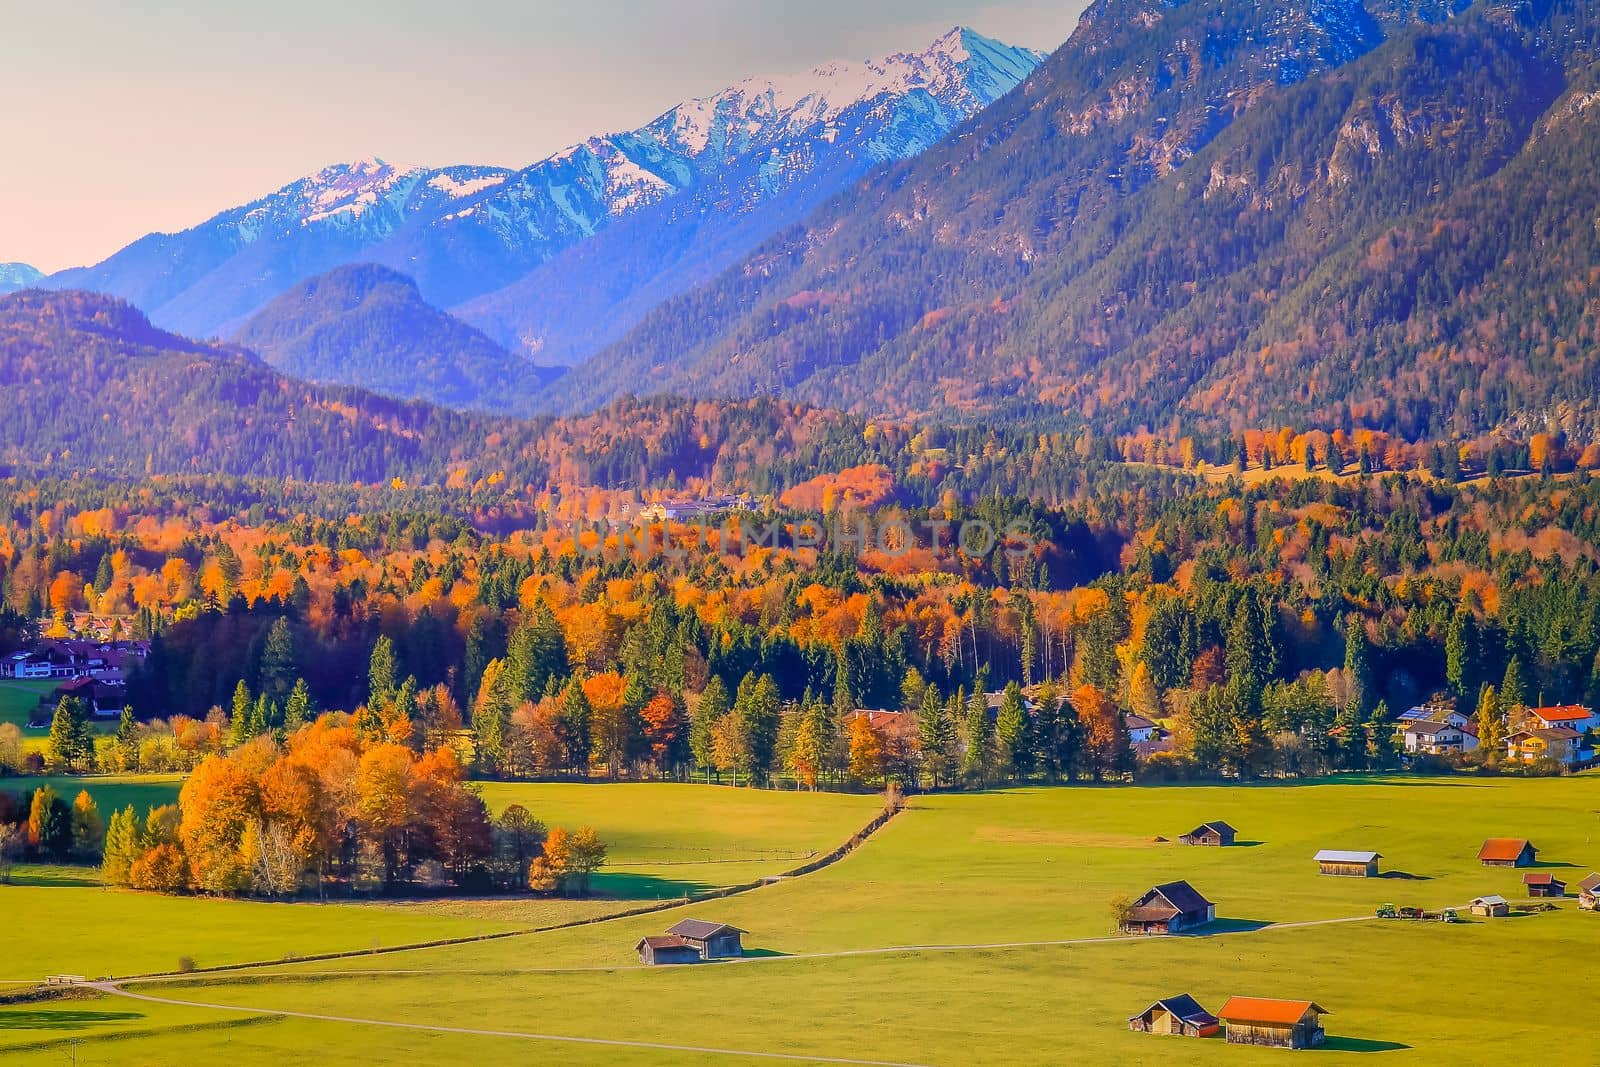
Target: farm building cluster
1563,733
692,941
1293,1024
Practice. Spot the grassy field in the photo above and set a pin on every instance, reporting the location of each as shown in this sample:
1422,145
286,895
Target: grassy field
989,880
110,791
19,699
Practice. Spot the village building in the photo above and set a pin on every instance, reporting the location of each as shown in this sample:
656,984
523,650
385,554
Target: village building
714,941
667,949
1490,907
1544,884
1167,909
1217,834
891,725
1346,864
1565,716
1293,1024
1439,709
1140,729
1179,1016
1434,738
1589,893
1507,852
103,697
1560,743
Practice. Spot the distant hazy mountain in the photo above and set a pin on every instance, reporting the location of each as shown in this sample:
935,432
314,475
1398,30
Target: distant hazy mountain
14,276
1206,216
369,326
162,403
465,231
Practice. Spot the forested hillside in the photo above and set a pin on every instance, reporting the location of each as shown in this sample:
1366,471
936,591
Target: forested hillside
1202,217
368,326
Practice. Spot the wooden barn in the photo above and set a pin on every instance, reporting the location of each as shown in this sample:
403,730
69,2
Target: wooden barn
1490,907
1507,852
1179,1016
1346,864
657,951
1274,1023
714,941
1589,893
1215,834
1544,884
1167,909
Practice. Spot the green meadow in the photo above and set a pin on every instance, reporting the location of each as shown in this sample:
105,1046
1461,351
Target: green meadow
971,929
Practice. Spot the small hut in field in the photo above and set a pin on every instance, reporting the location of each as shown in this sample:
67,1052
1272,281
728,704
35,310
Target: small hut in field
1507,852
1343,863
1589,893
1544,884
1179,1016
1216,834
1490,907
1273,1023
714,941
658,951
1169,908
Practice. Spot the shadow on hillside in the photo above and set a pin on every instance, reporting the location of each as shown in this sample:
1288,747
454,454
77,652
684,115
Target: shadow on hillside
1247,844
1360,1044
1406,876
1228,926
763,953
616,885
1549,864
36,1019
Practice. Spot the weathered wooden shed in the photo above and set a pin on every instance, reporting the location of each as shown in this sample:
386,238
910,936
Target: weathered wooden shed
1589,893
657,951
1507,852
1346,864
715,941
1275,1023
1169,908
1216,834
1490,907
1544,884
1179,1016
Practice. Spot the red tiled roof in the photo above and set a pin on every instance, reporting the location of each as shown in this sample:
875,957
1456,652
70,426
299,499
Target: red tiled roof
1562,713
1265,1010
1503,848
1541,879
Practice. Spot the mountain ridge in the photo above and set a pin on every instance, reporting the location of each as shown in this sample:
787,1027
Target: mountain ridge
1103,245
465,231
367,325
15,276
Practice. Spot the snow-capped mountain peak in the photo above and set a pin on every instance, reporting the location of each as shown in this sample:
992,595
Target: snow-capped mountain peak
465,231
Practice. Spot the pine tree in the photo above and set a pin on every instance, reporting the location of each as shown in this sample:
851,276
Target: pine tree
298,710
381,673
239,715
128,740
1459,651
979,759
1513,691
122,847
934,728
278,666
1012,735
576,717
713,706
1357,665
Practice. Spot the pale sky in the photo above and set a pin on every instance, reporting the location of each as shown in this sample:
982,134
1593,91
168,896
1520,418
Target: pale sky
123,117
